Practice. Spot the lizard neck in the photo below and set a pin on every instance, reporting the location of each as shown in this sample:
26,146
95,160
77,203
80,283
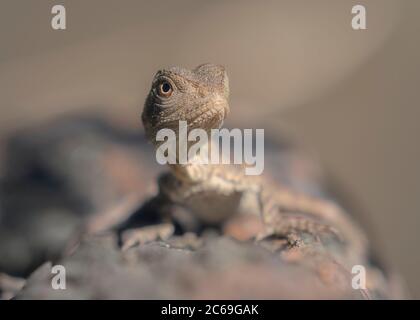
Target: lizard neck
197,167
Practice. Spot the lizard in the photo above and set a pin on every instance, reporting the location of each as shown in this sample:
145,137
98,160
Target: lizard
215,193
312,231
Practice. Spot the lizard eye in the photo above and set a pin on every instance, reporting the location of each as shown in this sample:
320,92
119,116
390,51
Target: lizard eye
164,89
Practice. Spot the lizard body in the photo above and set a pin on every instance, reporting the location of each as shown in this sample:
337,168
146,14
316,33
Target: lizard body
214,193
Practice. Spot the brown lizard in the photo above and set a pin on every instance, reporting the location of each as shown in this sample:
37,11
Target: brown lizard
310,231
215,193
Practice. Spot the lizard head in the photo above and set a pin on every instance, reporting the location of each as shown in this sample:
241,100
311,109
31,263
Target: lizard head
198,96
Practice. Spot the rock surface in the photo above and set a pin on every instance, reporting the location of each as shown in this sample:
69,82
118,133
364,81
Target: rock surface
220,268
71,188
87,173
61,175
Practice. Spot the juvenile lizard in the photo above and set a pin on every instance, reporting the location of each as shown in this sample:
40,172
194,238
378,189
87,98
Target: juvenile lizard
216,193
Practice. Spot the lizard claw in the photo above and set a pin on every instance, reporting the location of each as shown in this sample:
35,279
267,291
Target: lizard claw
133,237
268,232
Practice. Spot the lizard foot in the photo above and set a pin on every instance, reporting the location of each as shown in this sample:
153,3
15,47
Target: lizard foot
243,227
291,228
133,237
295,241
292,239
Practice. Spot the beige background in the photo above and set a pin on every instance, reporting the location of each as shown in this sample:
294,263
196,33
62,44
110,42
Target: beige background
296,68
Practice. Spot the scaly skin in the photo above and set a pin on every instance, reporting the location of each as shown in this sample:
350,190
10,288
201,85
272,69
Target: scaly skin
215,193
314,231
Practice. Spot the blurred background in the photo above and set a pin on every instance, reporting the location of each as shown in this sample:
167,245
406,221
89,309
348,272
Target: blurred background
296,68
